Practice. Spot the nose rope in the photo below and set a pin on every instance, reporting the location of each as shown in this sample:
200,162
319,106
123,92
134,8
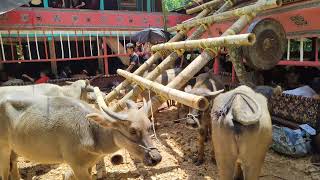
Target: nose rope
148,149
152,119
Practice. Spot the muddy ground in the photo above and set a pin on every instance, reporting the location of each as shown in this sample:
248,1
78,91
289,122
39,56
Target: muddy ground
178,146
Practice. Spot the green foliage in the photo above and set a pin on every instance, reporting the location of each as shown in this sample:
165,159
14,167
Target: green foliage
176,4
295,45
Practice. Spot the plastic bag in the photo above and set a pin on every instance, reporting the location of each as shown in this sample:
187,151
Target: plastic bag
295,143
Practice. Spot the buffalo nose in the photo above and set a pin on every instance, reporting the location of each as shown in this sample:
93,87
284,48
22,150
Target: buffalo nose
191,123
153,157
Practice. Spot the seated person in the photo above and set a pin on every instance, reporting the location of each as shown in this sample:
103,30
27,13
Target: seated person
43,78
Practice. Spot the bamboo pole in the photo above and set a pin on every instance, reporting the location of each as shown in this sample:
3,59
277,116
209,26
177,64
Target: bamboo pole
209,5
198,102
165,64
257,7
233,40
195,66
152,60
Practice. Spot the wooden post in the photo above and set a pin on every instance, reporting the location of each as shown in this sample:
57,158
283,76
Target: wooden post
216,65
233,75
316,49
53,57
105,54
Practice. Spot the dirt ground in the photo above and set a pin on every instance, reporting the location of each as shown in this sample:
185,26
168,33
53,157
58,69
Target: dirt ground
178,146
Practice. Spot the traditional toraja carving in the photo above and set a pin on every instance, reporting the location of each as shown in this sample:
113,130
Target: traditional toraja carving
152,60
209,5
299,20
243,39
257,7
166,63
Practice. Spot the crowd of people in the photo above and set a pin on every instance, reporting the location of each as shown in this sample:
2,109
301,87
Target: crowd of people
45,76
138,54
73,4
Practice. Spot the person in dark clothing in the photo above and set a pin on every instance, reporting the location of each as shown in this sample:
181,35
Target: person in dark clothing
134,58
65,73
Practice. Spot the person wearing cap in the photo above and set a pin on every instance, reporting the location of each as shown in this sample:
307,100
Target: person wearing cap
134,58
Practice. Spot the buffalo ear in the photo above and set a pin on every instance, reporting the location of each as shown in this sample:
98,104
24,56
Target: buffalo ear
99,119
87,82
188,89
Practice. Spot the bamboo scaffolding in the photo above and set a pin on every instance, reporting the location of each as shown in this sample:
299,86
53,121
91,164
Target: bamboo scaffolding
195,66
152,60
233,40
209,5
198,102
165,64
261,5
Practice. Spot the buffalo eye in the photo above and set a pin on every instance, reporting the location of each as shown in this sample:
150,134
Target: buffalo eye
133,131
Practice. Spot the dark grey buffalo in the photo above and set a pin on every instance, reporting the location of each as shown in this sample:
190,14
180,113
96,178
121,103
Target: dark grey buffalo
206,85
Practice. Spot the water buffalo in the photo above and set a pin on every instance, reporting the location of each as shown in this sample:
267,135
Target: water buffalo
206,85
55,130
241,133
80,89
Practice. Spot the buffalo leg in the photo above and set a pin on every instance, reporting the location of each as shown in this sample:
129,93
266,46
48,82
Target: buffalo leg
4,163
251,170
81,173
14,171
202,136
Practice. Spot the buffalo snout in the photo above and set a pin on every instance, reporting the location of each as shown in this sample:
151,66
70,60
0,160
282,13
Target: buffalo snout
152,157
192,121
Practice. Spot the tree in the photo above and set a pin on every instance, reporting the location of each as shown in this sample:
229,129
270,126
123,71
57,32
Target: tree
175,4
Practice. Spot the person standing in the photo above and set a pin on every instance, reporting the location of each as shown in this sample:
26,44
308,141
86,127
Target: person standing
133,57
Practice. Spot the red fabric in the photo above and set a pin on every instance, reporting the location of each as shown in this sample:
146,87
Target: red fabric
43,79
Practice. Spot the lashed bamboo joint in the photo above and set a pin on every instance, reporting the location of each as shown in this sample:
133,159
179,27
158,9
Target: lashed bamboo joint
198,102
251,9
209,5
233,40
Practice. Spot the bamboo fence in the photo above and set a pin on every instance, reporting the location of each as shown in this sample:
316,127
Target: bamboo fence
187,99
152,60
208,54
209,5
251,9
166,63
233,40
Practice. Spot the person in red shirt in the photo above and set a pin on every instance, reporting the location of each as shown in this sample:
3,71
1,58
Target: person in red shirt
43,78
